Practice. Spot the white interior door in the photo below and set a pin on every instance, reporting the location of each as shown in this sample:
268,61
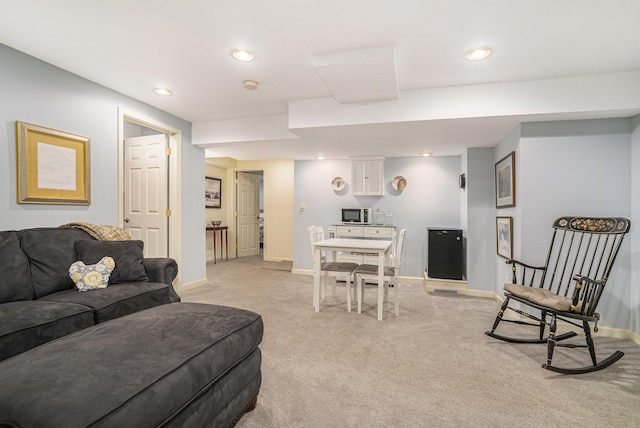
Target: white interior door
146,192
248,209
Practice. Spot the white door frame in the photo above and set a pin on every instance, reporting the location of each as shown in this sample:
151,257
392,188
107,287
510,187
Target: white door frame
175,177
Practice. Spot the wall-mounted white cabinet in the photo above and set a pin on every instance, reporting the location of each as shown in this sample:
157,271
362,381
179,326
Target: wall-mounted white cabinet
367,176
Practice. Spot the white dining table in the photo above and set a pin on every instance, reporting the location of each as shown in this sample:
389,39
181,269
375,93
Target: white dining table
378,246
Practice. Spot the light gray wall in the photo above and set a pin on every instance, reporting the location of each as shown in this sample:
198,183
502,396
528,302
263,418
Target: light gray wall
481,221
510,143
39,93
634,301
576,168
431,199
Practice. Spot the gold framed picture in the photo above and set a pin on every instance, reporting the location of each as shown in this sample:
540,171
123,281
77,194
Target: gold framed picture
53,166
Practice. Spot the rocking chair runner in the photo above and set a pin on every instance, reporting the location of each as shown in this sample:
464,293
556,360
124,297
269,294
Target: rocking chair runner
568,287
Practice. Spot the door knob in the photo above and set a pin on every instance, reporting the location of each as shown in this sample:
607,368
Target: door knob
126,220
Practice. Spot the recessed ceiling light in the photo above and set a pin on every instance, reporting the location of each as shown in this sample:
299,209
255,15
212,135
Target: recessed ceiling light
162,91
251,85
425,154
318,157
242,55
479,53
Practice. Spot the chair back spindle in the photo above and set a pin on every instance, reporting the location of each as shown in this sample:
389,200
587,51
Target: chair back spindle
398,250
316,234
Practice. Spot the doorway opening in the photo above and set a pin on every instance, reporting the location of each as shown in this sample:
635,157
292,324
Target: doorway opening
149,163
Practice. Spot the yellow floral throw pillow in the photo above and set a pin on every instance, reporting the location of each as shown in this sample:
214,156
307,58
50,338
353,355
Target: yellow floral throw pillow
92,277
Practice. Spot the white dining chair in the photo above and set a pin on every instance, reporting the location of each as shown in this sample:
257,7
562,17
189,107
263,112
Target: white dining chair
369,271
333,269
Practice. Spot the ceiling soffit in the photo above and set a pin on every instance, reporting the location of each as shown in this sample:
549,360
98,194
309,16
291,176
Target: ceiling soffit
359,76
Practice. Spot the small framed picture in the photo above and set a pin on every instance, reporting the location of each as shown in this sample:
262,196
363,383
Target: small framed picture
212,192
504,236
506,181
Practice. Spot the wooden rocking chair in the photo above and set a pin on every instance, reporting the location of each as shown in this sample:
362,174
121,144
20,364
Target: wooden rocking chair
569,285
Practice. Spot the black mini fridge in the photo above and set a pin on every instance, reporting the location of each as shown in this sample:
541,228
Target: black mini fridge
445,253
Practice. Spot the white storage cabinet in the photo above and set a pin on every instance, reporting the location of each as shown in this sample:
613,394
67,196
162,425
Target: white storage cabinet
367,176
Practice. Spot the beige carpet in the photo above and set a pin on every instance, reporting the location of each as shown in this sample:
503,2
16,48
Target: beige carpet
431,367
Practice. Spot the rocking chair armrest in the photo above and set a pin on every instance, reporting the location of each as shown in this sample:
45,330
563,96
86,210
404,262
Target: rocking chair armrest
586,293
584,278
513,264
518,262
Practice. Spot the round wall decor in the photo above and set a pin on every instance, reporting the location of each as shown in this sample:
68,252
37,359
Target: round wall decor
399,183
338,183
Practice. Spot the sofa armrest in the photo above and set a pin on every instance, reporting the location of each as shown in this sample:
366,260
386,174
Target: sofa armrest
163,270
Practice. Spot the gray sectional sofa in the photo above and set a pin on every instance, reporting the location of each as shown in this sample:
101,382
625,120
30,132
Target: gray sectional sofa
130,354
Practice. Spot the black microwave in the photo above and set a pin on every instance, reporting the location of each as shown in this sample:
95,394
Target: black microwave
355,215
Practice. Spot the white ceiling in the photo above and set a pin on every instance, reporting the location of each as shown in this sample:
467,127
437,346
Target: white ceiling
552,60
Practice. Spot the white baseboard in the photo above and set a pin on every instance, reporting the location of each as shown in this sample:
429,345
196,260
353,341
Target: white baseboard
274,259
619,333
191,284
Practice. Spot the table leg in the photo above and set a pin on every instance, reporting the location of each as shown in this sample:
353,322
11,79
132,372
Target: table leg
316,279
381,257
226,243
214,245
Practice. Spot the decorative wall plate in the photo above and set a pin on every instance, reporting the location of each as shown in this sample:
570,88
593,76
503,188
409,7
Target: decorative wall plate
399,183
338,183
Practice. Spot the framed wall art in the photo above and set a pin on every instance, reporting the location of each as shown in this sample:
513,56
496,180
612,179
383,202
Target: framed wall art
212,192
54,167
505,176
504,236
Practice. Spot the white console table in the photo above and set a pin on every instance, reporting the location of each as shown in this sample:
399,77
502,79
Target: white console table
362,231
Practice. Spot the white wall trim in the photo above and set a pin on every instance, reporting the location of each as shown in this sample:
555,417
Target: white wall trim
192,284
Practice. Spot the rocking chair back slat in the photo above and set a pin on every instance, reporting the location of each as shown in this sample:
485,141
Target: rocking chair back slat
591,293
566,252
533,277
613,253
602,256
581,269
546,263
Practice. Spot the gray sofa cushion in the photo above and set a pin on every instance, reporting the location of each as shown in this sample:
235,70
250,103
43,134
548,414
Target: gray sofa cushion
117,299
15,280
27,324
92,377
51,252
127,255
